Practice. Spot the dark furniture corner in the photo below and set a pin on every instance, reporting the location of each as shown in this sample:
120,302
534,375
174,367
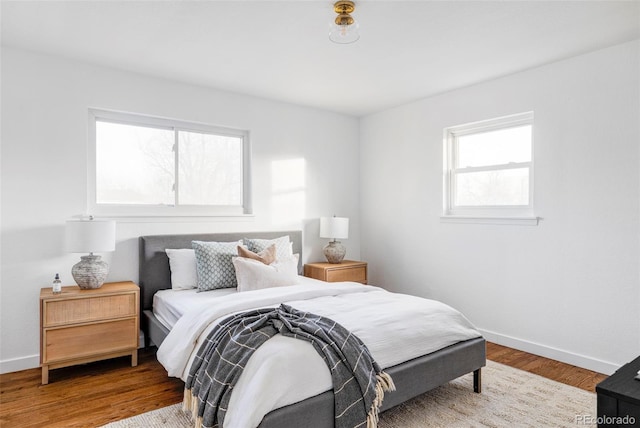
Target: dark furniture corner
619,397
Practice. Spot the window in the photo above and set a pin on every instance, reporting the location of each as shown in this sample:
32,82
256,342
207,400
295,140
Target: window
151,166
489,168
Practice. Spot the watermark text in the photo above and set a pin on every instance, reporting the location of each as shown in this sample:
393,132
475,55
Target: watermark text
605,420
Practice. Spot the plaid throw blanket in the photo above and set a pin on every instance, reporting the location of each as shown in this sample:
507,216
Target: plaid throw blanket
358,381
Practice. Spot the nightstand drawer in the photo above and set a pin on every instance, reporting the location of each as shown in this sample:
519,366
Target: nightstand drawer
72,311
357,274
347,270
90,339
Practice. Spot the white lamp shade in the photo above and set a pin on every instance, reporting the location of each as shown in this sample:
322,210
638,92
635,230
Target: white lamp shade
334,227
90,236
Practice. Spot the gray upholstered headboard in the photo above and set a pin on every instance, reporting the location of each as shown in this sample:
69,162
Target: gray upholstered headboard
154,264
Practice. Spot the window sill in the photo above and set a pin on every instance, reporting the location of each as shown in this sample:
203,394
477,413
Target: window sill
178,218
515,221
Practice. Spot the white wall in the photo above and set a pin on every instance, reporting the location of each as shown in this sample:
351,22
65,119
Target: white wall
568,288
44,174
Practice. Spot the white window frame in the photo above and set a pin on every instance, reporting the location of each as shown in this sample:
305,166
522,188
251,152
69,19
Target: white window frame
140,210
497,214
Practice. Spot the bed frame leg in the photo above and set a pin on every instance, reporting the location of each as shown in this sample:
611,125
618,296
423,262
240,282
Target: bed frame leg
477,381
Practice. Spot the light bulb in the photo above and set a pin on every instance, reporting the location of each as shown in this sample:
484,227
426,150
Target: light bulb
344,34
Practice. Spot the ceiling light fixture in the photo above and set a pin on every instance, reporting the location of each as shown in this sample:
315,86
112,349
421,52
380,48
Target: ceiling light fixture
345,28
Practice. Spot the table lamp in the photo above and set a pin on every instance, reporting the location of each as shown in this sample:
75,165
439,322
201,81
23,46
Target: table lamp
89,236
334,228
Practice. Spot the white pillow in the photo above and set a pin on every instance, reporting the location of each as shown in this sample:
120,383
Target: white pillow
284,248
182,263
255,275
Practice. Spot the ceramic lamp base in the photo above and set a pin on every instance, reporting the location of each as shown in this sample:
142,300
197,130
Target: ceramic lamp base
90,272
334,251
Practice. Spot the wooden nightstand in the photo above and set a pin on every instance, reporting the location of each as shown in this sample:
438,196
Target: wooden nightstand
80,326
348,270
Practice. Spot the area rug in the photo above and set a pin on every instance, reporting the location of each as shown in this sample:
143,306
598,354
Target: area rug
509,398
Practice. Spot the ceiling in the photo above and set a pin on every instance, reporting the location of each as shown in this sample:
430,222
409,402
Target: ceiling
280,49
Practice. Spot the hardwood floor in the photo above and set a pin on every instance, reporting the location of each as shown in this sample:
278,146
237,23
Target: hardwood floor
102,392
551,369
87,396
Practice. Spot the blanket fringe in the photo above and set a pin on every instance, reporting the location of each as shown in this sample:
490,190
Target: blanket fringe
383,383
190,405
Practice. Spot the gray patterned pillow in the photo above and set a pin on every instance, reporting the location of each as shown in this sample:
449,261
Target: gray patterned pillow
214,264
283,246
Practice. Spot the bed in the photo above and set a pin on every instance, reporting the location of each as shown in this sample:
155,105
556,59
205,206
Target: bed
411,378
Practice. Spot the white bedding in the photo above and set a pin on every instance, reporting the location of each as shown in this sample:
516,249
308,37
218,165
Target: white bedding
169,305
395,328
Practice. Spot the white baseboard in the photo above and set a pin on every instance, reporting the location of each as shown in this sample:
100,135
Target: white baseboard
17,364
578,360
